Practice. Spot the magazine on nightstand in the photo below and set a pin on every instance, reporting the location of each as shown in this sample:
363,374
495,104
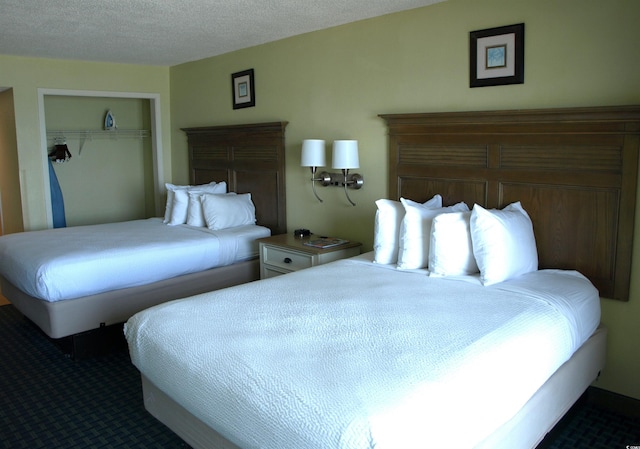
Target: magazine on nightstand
325,242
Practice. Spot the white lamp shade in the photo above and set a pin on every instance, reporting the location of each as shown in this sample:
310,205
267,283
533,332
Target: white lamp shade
345,154
313,154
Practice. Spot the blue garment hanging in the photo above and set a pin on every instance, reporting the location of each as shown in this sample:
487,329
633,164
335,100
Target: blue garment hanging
57,202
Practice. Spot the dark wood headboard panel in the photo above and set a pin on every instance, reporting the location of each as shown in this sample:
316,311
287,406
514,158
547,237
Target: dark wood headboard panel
250,158
574,170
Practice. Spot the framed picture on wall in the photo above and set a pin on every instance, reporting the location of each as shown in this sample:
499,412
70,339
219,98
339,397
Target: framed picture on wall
242,85
496,56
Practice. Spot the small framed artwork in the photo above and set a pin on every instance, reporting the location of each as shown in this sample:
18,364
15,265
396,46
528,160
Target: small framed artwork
496,56
242,85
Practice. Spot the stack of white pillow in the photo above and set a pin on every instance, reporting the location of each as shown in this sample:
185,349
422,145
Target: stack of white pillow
453,241
208,205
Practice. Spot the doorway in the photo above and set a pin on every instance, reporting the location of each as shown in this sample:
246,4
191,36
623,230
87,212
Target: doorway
10,201
11,219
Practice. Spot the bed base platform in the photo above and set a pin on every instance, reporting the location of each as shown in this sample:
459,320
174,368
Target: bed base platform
193,431
76,316
525,430
96,342
550,403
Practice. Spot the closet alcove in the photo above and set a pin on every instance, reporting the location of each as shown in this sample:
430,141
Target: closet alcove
112,175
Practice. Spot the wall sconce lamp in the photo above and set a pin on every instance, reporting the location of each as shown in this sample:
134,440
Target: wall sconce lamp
345,157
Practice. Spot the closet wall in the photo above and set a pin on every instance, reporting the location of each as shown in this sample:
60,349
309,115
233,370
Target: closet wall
108,178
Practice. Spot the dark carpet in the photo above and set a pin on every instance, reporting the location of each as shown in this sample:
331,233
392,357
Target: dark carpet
590,426
48,400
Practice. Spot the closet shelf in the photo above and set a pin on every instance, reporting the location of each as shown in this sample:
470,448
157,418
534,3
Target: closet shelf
98,134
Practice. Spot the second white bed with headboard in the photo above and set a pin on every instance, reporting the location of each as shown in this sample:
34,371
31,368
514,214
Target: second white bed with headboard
469,325
74,280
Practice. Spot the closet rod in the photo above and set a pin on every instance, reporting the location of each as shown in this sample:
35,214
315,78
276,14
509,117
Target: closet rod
99,134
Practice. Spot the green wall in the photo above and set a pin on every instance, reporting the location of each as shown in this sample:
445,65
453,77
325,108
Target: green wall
332,84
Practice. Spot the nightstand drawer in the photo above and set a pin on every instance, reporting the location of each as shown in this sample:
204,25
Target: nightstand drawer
271,272
289,260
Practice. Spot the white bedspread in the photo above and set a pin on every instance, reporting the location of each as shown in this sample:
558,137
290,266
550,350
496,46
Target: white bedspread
351,355
77,261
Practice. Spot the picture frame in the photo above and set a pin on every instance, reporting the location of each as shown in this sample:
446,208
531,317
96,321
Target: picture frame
243,89
496,56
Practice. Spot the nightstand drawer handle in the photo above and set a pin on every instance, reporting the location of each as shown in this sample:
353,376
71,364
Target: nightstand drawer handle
287,260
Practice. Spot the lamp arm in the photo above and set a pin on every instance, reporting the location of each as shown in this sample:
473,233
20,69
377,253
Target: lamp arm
313,186
313,183
346,192
345,172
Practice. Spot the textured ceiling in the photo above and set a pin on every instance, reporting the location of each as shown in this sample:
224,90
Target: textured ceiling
169,32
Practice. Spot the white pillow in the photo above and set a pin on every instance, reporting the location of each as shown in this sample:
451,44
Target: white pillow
179,207
386,228
212,187
180,203
171,188
195,216
228,211
503,243
450,248
415,233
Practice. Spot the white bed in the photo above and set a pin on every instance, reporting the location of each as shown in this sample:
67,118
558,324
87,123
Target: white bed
43,271
312,363
75,280
67,263
72,280
379,358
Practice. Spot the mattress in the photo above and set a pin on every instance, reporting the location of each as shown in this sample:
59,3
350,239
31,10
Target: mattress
72,262
352,355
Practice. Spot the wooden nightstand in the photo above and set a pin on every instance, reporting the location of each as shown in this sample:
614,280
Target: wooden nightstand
284,253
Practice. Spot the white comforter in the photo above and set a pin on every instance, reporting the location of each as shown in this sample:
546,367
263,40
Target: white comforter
77,261
351,355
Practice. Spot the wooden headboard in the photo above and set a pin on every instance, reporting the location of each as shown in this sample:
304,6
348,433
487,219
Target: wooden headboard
250,158
574,170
